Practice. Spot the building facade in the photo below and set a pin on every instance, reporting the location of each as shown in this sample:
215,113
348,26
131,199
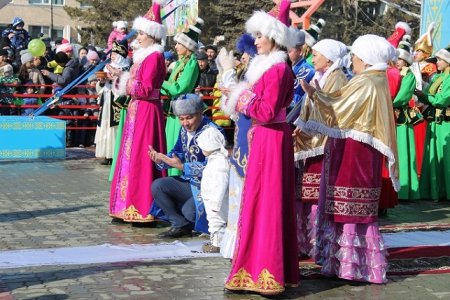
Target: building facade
43,16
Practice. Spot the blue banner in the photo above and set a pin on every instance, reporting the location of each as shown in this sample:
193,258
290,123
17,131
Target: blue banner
437,11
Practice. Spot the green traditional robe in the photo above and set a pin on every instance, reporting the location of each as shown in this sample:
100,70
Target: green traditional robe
409,182
435,178
182,80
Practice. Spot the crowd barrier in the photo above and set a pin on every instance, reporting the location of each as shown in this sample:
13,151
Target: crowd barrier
69,112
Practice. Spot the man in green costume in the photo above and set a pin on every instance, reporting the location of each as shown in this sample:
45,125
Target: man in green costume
435,178
405,118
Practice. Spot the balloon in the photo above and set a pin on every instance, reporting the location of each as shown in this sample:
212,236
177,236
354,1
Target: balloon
36,47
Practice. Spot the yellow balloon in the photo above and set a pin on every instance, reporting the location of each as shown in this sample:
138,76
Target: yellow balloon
36,47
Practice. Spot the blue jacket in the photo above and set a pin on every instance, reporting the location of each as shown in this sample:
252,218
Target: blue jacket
190,154
302,70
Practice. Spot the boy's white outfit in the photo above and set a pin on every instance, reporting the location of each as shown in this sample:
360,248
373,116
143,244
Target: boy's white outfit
214,183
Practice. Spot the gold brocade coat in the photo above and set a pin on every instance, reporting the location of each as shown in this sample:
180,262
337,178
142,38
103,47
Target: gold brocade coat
312,144
362,110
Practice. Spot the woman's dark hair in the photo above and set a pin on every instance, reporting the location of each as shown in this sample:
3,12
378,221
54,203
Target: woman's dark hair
23,73
82,48
288,61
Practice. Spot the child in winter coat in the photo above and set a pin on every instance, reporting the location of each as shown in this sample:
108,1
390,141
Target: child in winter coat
29,100
18,36
118,33
214,185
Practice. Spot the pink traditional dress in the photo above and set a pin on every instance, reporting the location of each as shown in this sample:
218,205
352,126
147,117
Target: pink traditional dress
265,257
131,197
358,121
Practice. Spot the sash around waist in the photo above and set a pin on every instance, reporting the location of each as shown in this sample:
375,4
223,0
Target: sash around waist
280,118
154,95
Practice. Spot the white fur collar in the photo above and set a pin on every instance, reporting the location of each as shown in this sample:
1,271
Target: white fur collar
261,63
141,53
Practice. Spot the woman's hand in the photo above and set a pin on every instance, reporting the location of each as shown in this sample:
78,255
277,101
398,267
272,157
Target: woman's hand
309,89
224,91
113,71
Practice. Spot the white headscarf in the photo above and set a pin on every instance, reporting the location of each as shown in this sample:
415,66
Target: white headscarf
374,50
334,51
120,62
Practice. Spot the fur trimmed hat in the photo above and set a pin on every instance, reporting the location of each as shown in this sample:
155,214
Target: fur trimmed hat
151,22
190,39
121,24
274,24
313,32
404,49
298,37
401,29
187,104
444,54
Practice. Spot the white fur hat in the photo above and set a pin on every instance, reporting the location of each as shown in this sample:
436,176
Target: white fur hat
151,22
273,25
121,24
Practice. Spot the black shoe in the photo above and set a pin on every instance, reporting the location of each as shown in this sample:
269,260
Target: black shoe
118,221
176,232
106,161
144,224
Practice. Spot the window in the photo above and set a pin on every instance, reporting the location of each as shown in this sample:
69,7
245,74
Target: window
85,3
34,31
46,2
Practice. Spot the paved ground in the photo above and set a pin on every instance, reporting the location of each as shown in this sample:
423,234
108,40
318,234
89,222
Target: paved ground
46,204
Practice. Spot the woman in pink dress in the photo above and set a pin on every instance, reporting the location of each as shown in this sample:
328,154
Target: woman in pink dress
358,121
265,257
131,196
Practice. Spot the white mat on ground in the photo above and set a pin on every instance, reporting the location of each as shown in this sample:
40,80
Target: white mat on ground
105,253
417,238
108,253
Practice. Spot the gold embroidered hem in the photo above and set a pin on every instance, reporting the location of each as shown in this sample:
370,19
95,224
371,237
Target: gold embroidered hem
347,201
131,214
266,283
310,193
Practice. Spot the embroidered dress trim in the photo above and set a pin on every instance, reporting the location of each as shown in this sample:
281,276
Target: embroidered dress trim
245,100
266,283
355,202
131,214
